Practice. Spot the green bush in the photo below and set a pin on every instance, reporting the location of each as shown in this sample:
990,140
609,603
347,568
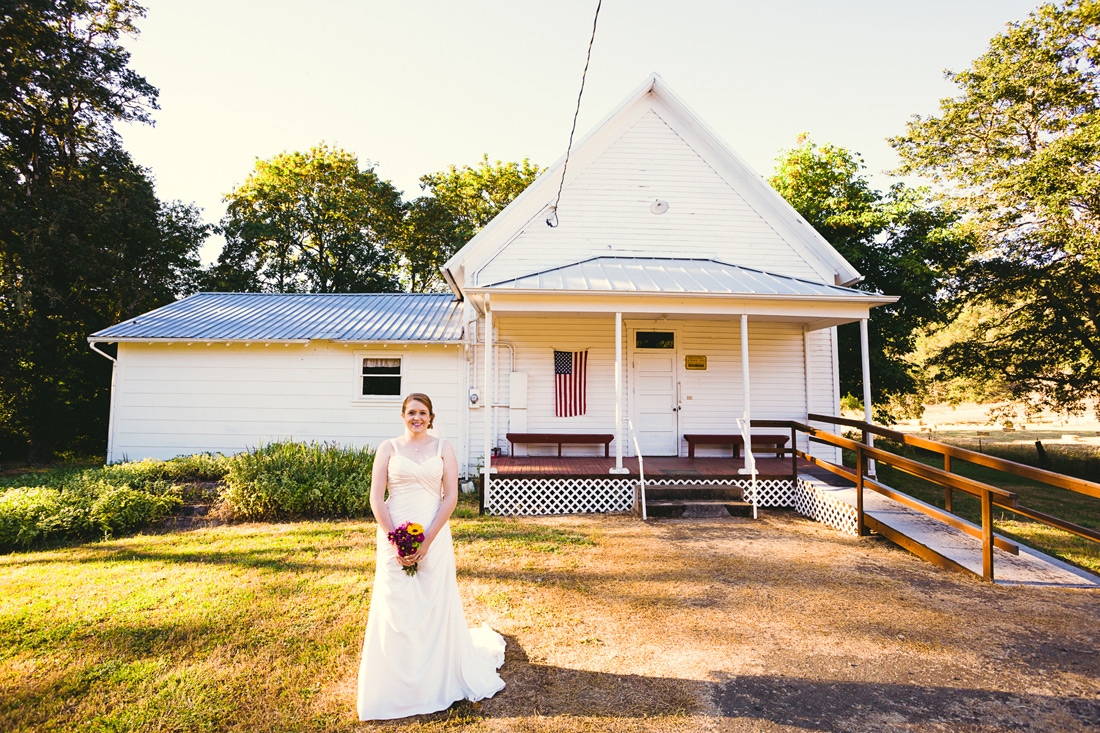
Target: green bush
278,481
199,467
68,503
119,509
33,515
287,480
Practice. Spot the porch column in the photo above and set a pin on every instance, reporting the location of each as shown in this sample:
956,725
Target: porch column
750,460
488,396
864,344
618,468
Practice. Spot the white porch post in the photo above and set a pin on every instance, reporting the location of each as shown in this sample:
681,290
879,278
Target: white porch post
618,468
750,460
488,397
864,344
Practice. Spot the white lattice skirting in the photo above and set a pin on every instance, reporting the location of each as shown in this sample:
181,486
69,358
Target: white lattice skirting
560,496
816,500
773,492
808,497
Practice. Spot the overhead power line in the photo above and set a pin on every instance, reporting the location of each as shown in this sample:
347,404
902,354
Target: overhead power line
552,219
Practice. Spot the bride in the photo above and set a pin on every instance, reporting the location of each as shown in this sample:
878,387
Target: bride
418,655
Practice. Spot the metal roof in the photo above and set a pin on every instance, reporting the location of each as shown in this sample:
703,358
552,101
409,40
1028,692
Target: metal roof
673,275
290,317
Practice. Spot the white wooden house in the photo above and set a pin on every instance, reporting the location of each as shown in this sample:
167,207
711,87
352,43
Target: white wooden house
689,292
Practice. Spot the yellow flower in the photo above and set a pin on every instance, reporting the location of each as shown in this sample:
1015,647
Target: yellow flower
414,528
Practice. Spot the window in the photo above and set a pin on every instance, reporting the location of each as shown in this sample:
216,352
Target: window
654,340
381,377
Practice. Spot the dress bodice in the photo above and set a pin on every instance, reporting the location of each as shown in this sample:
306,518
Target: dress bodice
407,476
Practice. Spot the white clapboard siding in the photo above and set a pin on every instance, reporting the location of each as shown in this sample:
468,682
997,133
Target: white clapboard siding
174,399
534,341
824,386
502,365
711,399
606,211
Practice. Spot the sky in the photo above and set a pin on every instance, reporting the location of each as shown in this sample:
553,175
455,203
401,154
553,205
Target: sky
412,87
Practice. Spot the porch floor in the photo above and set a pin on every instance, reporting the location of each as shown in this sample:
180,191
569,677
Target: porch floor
655,467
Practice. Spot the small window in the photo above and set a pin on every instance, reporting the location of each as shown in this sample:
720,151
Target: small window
654,340
381,377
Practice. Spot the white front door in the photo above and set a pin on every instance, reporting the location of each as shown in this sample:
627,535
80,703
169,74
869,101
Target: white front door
654,389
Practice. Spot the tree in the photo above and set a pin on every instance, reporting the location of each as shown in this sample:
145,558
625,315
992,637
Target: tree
84,242
1018,154
96,248
311,222
65,81
899,242
459,203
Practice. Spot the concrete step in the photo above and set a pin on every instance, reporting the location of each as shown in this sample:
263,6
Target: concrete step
683,492
697,508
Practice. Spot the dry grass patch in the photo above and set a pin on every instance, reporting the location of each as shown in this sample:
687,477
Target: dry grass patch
612,625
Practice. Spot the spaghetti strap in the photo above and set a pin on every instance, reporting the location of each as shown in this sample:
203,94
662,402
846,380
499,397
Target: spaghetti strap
438,447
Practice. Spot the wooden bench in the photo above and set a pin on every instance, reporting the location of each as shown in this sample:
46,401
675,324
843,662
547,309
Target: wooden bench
775,441
562,438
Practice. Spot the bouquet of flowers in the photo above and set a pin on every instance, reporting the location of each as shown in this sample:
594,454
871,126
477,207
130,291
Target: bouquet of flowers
407,539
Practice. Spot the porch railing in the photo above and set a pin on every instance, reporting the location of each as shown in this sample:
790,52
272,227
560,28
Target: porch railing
750,463
641,465
988,495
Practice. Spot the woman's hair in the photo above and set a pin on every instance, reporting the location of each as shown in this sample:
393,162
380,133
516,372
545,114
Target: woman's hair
424,400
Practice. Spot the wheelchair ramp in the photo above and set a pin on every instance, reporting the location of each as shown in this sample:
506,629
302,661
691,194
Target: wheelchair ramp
944,545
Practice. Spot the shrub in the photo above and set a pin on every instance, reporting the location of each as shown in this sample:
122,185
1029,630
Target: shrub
33,515
198,467
74,503
286,480
120,509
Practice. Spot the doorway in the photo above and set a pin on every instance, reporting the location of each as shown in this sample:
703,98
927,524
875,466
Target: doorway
655,404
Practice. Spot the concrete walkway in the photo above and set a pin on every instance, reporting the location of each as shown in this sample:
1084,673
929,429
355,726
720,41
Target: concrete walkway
1030,567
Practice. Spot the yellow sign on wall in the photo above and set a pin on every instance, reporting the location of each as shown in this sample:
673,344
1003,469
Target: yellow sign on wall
695,361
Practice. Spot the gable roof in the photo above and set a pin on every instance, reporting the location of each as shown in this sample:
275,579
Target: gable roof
296,317
527,213
676,275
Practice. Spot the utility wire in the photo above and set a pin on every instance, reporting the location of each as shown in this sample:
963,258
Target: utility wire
552,220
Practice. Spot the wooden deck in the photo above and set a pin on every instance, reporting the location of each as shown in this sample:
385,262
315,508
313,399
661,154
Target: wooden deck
655,467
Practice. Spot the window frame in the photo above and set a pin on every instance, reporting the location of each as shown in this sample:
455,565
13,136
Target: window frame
639,331
373,399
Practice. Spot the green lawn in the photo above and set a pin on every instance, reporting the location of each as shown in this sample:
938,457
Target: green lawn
247,627
613,625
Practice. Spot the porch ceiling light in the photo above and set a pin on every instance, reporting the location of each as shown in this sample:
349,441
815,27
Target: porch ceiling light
659,207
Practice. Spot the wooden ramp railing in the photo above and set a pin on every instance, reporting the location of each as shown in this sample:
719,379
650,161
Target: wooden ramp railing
988,495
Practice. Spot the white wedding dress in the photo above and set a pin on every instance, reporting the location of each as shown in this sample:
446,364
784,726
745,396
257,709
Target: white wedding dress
418,655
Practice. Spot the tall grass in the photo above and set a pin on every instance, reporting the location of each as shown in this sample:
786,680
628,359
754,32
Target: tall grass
1081,461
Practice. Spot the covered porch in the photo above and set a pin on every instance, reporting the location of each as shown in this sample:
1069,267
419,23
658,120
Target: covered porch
674,349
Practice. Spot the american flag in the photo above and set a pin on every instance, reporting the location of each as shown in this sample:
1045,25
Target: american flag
570,368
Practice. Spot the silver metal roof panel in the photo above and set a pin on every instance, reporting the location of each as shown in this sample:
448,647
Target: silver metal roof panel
672,275
294,317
